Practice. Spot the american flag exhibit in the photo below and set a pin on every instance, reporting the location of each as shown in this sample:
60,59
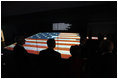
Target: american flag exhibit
34,44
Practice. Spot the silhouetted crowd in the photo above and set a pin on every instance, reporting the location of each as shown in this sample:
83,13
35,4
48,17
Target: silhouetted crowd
90,59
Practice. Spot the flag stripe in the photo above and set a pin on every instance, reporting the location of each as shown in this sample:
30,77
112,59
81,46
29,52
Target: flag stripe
56,43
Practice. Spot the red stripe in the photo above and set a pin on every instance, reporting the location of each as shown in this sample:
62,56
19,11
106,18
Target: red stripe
65,56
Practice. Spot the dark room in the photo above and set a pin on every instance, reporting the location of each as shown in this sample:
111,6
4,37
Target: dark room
58,39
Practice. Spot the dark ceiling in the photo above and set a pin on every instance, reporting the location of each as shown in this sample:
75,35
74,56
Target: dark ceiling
10,8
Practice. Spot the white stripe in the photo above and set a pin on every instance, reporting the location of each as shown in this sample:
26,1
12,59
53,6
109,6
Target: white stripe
11,46
67,42
63,52
39,40
34,48
55,36
56,41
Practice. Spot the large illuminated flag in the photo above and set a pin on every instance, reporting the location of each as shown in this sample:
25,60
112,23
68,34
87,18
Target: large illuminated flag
34,44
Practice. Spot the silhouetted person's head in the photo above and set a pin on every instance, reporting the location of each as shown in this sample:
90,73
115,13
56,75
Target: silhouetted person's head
20,40
75,50
106,45
83,41
51,43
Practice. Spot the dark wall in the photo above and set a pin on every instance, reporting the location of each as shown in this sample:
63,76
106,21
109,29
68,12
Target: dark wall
103,18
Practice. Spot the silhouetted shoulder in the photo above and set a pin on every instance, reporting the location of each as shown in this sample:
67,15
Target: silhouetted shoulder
19,49
49,51
57,53
43,51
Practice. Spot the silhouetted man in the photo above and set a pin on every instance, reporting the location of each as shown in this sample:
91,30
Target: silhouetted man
84,52
19,50
20,57
50,59
106,63
108,60
75,62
